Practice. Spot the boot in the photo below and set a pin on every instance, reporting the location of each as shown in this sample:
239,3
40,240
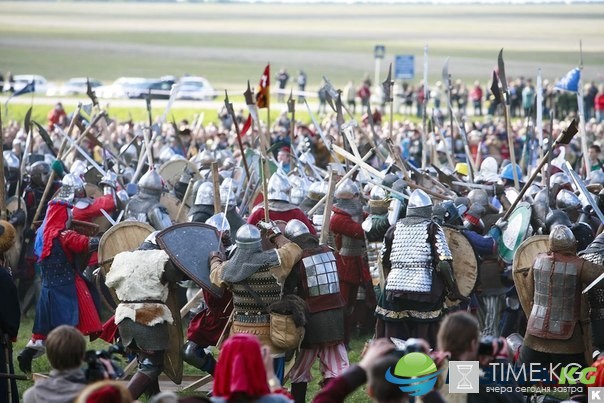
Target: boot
25,358
299,392
195,355
139,383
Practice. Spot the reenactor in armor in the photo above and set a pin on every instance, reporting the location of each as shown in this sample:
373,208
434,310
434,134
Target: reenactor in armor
203,205
554,332
142,315
375,226
85,208
346,225
12,168
315,279
65,298
595,253
417,264
256,279
279,205
145,206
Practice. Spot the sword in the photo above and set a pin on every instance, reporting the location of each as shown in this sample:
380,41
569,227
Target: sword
593,284
581,186
320,131
108,217
81,151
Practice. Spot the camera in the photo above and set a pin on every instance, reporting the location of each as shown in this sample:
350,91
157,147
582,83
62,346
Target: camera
101,365
492,346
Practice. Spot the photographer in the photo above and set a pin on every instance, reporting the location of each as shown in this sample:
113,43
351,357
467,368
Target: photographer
378,357
65,348
459,337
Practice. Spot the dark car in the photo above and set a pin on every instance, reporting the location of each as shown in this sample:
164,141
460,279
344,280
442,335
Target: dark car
158,89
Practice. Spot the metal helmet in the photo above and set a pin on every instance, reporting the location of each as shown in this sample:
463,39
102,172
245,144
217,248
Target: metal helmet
248,237
561,179
204,158
542,196
557,217
109,179
532,191
317,190
377,193
129,153
451,213
420,204
11,161
151,183
295,228
205,194
567,200
227,192
346,190
76,184
299,189
166,154
562,239
508,173
389,179
78,168
220,222
127,174
479,196
279,187
596,177
39,172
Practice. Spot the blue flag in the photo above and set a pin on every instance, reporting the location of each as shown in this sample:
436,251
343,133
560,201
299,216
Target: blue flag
29,87
570,82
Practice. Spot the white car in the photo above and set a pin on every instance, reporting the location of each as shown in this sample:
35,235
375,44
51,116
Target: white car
24,79
196,88
75,86
119,88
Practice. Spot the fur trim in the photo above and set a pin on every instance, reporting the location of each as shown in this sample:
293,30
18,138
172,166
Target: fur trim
292,305
8,237
144,313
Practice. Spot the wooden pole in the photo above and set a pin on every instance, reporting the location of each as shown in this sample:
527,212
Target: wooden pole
185,199
327,210
2,181
216,183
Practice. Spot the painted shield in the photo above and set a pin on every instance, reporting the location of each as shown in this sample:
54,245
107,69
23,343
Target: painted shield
122,237
522,269
517,230
13,254
172,204
465,265
171,171
189,246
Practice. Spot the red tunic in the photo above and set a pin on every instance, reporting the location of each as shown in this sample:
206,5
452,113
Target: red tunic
295,213
351,269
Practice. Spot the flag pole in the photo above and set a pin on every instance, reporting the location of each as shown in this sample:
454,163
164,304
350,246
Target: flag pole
581,108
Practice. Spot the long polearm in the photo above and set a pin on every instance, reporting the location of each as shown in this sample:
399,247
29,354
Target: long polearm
2,182
327,210
425,112
229,107
506,115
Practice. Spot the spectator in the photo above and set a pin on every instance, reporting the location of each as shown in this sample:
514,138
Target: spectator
244,373
599,105
282,79
301,84
373,366
65,347
589,98
350,95
55,116
364,93
528,98
105,392
476,97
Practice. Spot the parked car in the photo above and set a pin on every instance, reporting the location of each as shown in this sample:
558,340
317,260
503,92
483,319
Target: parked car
196,88
119,88
75,86
24,79
159,89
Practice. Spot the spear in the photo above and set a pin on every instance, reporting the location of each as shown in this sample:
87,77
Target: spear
291,108
506,114
424,111
229,107
2,183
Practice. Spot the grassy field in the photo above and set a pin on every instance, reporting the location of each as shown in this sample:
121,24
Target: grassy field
230,43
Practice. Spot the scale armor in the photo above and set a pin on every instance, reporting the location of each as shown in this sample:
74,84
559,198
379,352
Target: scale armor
595,253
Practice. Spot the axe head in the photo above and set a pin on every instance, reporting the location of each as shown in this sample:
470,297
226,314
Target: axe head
227,104
387,85
501,66
495,87
249,95
567,135
45,137
291,103
91,94
339,114
27,121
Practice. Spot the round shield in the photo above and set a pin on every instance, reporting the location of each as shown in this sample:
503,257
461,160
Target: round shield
522,269
465,266
93,177
517,230
172,204
171,171
125,236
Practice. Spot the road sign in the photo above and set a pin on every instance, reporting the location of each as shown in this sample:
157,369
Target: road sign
379,51
404,67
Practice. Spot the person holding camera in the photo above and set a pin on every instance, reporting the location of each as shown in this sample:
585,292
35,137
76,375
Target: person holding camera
65,348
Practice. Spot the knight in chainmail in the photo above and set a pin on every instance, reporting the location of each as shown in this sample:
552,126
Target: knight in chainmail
417,263
315,279
554,333
145,206
595,253
203,206
346,219
256,278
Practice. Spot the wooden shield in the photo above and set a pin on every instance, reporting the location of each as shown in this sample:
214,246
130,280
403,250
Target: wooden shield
172,204
13,254
122,237
173,365
171,171
93,191
522,269
465,265
93,177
